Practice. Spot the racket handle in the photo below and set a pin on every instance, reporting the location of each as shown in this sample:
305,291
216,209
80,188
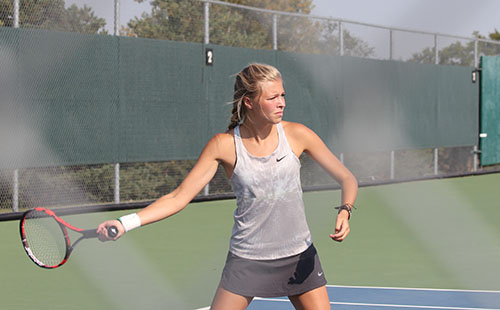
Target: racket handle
112,231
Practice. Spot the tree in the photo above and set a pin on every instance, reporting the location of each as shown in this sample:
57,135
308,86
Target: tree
458,53
52,15
495,35
83,20
182,20
330,42
172,20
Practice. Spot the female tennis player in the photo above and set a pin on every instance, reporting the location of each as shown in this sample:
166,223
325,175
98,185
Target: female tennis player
271,252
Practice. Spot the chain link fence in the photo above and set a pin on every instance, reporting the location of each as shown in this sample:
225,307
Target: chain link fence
222,23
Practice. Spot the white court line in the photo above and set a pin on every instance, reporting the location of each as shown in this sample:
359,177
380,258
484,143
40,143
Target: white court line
416,289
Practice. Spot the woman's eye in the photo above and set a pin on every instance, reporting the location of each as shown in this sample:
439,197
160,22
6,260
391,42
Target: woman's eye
276,97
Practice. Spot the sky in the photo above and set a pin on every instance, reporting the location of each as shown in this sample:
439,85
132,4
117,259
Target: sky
456,17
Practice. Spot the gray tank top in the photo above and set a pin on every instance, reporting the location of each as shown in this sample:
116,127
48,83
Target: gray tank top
269,221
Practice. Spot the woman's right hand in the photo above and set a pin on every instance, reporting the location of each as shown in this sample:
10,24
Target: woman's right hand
102,230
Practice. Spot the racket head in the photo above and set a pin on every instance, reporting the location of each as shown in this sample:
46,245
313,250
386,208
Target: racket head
45,240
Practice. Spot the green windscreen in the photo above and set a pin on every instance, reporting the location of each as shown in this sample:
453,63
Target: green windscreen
490,110
71,99
368,105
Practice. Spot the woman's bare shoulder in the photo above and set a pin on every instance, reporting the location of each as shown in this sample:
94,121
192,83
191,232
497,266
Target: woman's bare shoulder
221,145
224,137
295,130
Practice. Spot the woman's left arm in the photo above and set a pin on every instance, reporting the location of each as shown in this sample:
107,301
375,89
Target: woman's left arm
306,140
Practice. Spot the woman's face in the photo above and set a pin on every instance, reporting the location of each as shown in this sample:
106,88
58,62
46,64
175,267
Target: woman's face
270,104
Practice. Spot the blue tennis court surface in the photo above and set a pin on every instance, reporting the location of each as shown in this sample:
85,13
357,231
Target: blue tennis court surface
375,298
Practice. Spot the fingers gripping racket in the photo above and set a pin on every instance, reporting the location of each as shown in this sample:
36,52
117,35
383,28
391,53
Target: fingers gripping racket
45,237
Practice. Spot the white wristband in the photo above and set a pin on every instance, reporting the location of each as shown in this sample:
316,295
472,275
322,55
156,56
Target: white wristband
130,221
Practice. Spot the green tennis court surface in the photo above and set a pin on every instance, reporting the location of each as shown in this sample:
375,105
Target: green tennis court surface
440,234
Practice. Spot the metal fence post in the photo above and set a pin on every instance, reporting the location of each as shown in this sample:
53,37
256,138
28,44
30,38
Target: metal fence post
475,159
476,60
206,40
391,44
206,17
341,38
392,165
117,184
117,18
436,161
15,178
16,13
116,192
15,191
436,50
275,32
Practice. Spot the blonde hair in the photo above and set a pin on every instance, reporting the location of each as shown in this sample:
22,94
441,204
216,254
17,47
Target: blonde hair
247,84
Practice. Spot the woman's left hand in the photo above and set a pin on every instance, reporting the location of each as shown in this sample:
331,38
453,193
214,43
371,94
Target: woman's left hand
341,227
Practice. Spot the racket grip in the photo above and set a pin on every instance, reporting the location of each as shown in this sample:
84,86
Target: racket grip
112,231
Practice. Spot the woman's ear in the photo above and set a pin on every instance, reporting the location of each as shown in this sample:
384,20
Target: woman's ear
247,102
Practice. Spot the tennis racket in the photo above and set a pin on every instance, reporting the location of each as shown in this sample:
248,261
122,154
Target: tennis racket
46,240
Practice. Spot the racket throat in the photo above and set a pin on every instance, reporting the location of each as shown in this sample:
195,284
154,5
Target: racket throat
86,234
90,233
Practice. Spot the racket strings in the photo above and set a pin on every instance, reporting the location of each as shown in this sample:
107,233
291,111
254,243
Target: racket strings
45,240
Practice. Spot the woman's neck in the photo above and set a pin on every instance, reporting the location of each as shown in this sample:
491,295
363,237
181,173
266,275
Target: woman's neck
257,132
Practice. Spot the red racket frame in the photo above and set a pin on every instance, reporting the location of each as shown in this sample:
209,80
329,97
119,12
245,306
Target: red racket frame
91,233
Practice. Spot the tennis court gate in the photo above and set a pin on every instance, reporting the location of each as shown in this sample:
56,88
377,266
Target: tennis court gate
95,119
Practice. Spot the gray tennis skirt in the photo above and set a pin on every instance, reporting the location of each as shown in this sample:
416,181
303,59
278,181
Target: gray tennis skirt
287,276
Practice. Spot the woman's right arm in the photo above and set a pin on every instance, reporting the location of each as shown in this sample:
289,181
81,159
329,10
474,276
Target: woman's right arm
168,205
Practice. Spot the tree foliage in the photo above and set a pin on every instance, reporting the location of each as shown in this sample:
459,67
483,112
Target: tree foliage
52,15
83,20
459,53
183,20
495,35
